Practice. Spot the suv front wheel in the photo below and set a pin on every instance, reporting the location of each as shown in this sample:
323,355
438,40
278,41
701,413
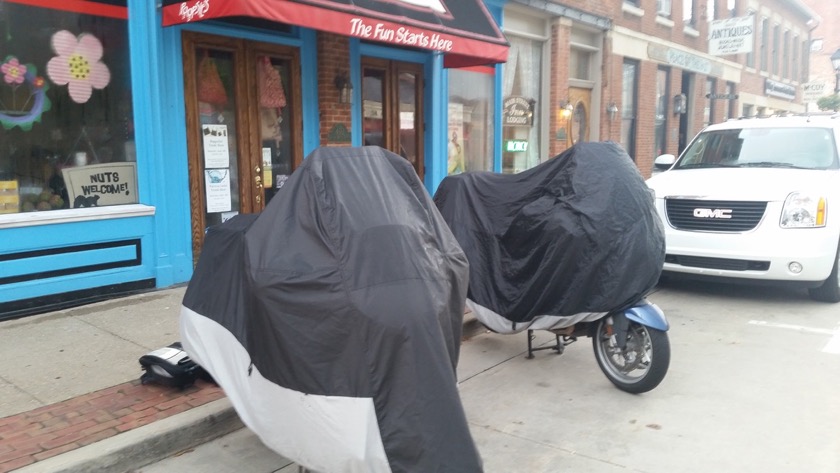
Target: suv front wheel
830,289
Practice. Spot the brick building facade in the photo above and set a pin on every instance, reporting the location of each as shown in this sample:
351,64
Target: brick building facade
825,43
209,106
648,53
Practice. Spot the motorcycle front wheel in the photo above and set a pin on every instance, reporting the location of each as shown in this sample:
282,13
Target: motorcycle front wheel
643,362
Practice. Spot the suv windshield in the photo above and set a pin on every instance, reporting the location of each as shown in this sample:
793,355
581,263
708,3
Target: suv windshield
806,148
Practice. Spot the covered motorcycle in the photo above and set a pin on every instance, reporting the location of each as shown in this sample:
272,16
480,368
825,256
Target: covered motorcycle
573,240
333,319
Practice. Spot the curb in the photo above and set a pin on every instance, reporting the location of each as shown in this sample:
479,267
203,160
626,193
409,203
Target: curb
163,438
146,444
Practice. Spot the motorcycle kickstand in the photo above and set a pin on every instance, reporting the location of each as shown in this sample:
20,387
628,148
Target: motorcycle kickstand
558,345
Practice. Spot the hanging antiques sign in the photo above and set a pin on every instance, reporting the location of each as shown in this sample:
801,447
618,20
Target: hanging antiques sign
731,36
518,111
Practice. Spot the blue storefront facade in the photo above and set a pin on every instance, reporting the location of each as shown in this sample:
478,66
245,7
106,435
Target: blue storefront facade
128,129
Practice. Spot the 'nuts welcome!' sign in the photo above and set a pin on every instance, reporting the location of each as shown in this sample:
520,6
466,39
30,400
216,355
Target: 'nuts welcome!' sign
101,184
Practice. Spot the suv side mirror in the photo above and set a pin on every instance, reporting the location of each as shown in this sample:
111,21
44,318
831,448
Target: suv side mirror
664,161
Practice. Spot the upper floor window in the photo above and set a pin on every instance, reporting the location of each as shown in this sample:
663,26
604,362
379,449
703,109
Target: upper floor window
804,62
762,47
775,51
786,55
635,3
711,13
663,7
794,60
688,13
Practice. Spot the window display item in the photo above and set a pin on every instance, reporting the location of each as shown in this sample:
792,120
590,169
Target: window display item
270,85
77,64
27,99
9,198
210,87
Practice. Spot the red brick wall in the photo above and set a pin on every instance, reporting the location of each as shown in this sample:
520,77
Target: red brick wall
333,59
829,31
611,80
559,86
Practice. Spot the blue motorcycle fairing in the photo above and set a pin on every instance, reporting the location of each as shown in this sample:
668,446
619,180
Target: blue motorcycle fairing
649,315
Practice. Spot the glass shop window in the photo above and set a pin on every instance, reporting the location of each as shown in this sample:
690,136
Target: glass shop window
521,87
470,122
67,134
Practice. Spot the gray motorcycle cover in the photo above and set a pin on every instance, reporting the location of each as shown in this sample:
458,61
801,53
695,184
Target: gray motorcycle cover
577,233
333,319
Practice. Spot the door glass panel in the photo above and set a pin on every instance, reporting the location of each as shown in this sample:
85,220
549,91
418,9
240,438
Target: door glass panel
408,117
373,109
579,121
217,118
275,124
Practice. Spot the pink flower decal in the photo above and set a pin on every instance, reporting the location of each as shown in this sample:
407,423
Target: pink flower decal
13,71
77,64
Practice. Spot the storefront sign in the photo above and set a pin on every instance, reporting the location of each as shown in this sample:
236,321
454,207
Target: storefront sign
98,185
812,91
400,35
722,96
516,146
518,111
684,60
779,89
464,28
731,36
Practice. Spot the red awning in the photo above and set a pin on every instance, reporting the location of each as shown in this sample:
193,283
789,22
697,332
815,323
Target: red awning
462,29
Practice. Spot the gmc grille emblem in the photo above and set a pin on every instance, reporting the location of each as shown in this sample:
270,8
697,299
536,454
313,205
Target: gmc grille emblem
713,213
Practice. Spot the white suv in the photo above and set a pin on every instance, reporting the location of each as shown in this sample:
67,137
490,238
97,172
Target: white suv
757,199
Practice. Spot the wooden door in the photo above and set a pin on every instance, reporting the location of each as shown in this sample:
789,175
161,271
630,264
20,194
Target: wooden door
581,114
392,108
243,126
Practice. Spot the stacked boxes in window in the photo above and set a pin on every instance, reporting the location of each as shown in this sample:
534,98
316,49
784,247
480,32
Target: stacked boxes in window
9,199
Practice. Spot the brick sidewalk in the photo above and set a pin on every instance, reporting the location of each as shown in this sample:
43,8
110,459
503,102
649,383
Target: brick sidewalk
42,433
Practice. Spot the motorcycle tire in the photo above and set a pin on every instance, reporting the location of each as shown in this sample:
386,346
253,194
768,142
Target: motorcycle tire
642,365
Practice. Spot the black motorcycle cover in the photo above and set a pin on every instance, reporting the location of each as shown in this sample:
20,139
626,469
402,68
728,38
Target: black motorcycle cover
333,319
577,233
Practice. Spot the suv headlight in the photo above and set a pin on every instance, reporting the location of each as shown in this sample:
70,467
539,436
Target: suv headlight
803,210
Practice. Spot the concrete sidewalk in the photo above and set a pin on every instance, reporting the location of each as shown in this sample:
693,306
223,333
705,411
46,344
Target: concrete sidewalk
70,396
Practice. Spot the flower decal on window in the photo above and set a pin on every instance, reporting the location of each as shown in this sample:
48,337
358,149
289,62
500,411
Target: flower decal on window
13,71
77,64
27,101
